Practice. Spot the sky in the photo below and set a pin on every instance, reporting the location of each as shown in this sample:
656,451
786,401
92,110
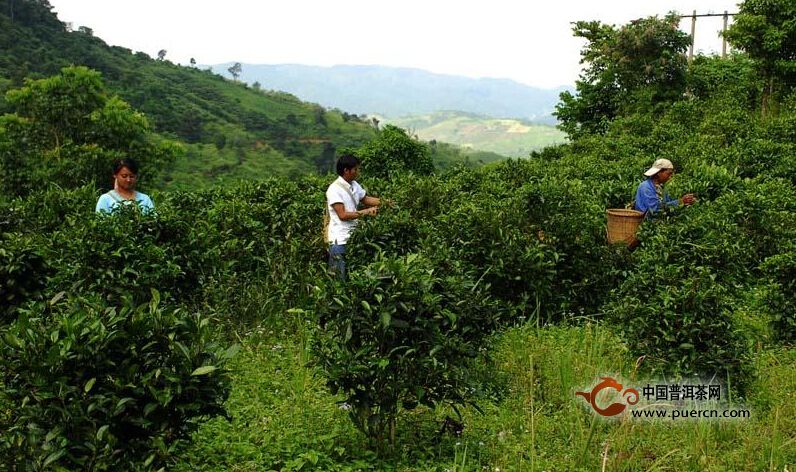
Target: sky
526,41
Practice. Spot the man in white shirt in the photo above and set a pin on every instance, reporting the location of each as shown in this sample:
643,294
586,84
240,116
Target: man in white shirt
343,198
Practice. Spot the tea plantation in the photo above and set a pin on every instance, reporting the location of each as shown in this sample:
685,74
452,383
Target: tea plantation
208,335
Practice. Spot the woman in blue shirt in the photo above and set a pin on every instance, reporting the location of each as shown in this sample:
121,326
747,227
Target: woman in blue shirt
650,196
125,174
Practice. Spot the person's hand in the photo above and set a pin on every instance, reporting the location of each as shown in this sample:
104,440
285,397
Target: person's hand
369,211
688,199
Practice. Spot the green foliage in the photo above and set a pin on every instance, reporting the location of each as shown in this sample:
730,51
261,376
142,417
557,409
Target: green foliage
681,321
494,244
399,335
732,78
66,130
22,271
636,65
779,298
676,307
106,388
460,254
392,152
126,253
263,131
765,30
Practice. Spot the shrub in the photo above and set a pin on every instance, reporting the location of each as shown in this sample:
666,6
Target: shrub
492,243
22,272
779,299
572,226
115,255
400,334
676,307
393,152
680,319
98,387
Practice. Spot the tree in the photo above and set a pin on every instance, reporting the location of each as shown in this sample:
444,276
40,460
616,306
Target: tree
766,31
161,54
66,130
235,70
640,64
193,62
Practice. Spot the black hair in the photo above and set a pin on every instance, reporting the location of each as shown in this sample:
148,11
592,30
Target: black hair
346,161
128,162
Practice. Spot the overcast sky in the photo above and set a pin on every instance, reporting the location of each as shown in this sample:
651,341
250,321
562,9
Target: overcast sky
530,42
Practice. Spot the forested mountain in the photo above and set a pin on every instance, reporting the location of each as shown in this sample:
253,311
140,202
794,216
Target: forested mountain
230,130
396,91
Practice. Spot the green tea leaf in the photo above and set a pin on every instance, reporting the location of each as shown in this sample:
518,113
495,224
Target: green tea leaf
204,370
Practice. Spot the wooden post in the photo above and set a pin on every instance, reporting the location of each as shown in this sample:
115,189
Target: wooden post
693,32
723,37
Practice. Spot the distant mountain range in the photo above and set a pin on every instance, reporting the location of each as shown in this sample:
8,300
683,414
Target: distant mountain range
395,92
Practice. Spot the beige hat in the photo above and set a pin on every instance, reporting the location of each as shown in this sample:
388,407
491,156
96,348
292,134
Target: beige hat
659,165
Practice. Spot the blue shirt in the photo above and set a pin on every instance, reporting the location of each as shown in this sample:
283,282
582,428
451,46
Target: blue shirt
649,198
109,201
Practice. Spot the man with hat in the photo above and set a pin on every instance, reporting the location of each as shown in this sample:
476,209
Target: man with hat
650,196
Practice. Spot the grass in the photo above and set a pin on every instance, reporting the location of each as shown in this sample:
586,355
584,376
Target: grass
284,419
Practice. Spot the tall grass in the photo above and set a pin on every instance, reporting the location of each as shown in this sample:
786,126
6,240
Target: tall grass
283,418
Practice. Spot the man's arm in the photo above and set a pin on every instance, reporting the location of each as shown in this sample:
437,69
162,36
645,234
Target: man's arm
369,201
339,208
670,201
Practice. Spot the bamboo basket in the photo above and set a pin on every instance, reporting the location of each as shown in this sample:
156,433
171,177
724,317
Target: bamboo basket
623,224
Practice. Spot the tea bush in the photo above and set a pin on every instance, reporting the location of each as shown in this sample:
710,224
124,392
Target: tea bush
98,387
122,253
779,300
23,270
399,335
52,208
394,152
676,306
680,319
572,226
492,245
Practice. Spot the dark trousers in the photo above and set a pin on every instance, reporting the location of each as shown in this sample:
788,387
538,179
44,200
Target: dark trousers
337,260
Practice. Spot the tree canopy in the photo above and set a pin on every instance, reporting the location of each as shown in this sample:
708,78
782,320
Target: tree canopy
639,64
67,130
766,31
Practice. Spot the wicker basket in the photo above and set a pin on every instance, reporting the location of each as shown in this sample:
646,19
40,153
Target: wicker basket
623,224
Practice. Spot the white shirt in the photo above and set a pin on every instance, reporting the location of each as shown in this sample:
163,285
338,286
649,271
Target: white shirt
349,195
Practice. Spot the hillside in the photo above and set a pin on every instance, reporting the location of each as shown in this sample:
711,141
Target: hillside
507,137
395,91
230,131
